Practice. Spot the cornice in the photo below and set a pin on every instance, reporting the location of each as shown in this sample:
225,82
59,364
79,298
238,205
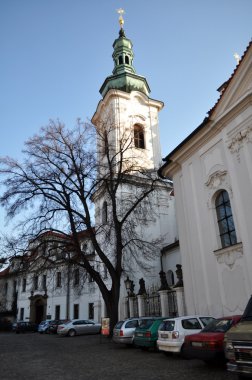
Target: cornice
127,96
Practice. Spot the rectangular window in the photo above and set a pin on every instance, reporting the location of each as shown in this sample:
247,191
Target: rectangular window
76,311
24,285
44,282
21,314
76,277
58,280
91,311
35,282
57,312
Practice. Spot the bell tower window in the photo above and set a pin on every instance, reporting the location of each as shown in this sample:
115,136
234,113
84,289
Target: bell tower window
120,60
127,60
105,212
139,136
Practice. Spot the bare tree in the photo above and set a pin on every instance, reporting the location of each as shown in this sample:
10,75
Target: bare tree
63,174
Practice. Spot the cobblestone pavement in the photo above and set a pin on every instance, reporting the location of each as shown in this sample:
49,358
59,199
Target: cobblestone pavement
32,356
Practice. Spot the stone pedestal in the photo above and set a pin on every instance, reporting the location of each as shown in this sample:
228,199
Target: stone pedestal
131,306
164,303
180,301
141,305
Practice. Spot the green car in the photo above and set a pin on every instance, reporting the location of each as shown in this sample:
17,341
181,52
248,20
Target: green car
147,333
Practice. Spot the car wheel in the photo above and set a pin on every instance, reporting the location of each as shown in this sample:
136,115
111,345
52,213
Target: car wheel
182,353
71,332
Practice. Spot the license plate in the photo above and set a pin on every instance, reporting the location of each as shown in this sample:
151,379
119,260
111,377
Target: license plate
197,344
139,334
164,336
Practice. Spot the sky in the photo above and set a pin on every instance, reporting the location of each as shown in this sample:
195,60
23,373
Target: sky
55,55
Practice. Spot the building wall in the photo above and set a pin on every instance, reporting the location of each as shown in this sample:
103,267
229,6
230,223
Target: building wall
217,281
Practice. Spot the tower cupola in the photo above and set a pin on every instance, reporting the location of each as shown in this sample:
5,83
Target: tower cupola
124,76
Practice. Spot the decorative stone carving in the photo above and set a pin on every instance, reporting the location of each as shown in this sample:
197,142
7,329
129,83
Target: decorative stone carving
239,139
216,179
229,255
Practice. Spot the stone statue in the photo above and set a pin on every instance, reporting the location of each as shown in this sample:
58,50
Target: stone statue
142,290
163,280
179,274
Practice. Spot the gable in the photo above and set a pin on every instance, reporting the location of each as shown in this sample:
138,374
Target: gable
238,88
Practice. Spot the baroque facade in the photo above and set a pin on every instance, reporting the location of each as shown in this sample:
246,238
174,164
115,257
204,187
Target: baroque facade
211,171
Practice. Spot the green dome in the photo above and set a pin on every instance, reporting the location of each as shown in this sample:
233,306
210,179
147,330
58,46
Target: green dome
124,76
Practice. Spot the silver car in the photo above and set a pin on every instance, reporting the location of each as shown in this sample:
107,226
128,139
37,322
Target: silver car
79,327
123,331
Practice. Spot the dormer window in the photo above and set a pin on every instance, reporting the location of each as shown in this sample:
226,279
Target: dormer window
139,136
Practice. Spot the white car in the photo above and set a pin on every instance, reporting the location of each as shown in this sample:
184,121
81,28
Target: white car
79,327
172,331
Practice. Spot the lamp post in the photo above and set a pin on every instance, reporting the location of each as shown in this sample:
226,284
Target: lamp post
128,286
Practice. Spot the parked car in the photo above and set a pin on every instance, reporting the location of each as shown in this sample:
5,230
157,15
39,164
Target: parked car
78,327
146,334
123,331
22,327
208,344
172,331
238,345
53,325
44,326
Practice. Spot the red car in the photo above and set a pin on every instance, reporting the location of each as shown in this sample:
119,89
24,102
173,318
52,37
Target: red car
207,345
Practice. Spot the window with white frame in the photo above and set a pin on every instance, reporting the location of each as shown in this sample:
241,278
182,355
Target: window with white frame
225,220
139,136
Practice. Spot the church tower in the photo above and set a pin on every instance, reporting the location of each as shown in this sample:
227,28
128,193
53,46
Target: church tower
127,105
126,121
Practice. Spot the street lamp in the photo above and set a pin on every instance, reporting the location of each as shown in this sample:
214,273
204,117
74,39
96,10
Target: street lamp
128,285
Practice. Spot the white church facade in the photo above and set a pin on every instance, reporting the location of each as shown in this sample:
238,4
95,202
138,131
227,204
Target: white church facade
211,170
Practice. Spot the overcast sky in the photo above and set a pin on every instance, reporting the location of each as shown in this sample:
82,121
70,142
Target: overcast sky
55,55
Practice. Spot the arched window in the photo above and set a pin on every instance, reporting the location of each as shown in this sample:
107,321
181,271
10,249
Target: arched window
126,59
139,136
170,277
120,60
105,212
225,220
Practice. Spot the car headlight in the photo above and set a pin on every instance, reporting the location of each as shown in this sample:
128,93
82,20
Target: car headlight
229,350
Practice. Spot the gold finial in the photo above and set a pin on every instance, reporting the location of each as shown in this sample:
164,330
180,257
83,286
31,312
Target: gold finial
121,11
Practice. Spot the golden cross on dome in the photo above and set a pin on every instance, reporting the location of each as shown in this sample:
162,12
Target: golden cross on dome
121,11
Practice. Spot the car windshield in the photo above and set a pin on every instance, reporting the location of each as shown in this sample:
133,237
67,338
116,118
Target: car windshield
167,325
218,325
119,324
145,323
